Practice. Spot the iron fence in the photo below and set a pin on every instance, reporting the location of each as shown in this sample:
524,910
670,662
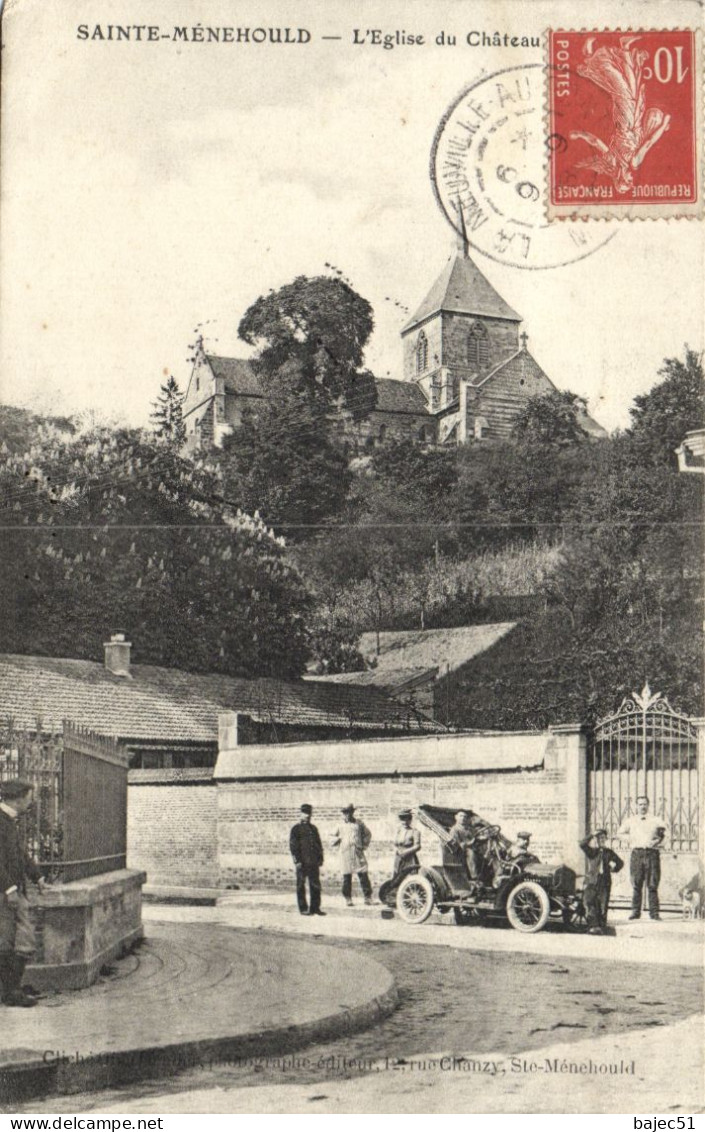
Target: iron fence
646,748
78,825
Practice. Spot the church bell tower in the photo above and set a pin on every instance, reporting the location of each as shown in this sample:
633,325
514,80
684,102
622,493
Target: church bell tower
462,330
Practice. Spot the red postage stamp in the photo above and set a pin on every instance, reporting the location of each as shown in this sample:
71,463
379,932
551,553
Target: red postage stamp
624,124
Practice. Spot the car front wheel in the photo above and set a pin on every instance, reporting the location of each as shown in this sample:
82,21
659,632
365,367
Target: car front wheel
415,899
528,907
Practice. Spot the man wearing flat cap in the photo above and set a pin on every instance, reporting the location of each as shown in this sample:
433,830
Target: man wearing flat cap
520,852
307,851
601,863
406,844
353,837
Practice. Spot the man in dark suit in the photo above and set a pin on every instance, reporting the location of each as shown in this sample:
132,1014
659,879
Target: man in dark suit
17,942
307,851
601,863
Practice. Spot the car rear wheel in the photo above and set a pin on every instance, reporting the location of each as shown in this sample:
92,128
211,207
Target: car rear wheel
415,899
528,907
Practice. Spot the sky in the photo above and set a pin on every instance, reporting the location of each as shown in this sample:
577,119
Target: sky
150,188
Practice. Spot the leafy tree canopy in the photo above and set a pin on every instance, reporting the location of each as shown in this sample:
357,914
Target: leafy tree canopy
662,417
552,418
283,465
311,335
20,428
114,529
426,476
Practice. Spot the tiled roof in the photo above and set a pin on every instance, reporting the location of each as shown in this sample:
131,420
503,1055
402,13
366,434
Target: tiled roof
399,396
168,704
392,396
238,375
445,649
462,288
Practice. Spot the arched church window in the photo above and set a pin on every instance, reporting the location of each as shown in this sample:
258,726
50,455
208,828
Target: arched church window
421,353
478,346
382,433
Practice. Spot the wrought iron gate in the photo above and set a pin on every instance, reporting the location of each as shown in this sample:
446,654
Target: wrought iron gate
646,748
78,825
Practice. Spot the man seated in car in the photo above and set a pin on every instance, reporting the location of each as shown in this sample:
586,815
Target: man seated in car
461,845
519,851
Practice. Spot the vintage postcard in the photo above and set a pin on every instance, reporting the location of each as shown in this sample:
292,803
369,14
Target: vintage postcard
352,458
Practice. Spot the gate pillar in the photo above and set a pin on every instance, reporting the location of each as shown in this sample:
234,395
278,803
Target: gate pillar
568,748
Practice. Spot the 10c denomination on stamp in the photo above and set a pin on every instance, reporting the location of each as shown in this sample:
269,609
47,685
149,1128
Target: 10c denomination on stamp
624,124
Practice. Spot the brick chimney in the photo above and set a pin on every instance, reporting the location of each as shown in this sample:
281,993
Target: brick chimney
117,655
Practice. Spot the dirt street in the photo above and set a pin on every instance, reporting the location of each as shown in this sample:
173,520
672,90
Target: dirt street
455,1001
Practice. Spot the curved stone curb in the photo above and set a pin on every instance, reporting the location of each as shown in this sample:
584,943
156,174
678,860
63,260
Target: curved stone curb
27,1076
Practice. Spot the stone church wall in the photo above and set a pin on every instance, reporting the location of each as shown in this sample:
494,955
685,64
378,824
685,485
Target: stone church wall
236,405
501,335
433,331
380,428
501,400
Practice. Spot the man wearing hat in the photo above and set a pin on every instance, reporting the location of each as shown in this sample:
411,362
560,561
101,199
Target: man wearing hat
306,849
406,844
520,850
353,837
17,941
601,863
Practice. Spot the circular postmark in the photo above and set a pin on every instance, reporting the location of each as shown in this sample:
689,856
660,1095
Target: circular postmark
488,160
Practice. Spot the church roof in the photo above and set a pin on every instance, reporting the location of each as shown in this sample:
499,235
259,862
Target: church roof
462,288
392,396
399,396
238,375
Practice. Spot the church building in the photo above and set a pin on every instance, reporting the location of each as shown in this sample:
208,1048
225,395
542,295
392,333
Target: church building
467,374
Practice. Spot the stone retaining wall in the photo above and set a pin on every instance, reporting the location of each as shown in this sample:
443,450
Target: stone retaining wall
171,826
516,780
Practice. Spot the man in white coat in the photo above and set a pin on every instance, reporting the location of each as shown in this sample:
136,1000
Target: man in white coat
353,837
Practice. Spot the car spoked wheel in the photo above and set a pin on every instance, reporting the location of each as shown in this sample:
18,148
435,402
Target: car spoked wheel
415,899
528,907
574,914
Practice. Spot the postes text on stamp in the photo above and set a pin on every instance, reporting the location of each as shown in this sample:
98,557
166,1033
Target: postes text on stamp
624,124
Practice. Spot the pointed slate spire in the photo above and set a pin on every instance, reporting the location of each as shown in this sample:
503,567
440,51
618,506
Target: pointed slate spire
462,288
462,241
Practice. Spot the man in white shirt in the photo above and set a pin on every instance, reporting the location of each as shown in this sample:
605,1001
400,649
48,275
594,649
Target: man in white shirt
644,835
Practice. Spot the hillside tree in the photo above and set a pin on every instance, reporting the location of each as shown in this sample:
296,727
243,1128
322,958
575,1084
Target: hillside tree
675,406
114,528
310,336
167,416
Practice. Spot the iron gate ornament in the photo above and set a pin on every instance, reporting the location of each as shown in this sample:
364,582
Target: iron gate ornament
646,747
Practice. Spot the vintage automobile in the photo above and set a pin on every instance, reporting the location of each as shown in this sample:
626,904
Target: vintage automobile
520,889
